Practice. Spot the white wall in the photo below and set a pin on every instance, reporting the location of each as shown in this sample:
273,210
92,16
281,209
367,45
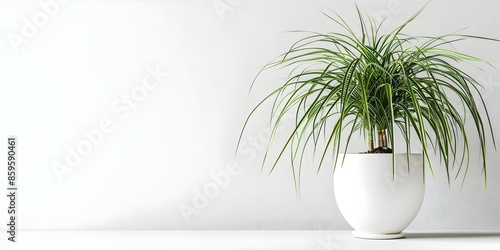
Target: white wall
70,73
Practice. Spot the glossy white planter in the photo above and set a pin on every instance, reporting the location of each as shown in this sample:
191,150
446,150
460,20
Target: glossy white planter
374,203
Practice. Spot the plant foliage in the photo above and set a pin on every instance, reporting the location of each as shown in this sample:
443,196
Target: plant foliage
379,85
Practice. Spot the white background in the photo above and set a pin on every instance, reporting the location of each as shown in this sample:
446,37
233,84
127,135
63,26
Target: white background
65,78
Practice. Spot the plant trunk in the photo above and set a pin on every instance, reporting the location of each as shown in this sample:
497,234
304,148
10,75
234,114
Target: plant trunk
382,143
382,139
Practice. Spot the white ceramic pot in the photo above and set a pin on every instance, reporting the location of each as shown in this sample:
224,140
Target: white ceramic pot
374,203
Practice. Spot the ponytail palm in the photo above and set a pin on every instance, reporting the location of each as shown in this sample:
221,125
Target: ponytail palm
342,83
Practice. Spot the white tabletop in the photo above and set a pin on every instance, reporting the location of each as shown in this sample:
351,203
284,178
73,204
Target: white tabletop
263,239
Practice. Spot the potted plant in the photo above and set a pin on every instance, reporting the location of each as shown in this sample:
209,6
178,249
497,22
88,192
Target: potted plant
382,87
